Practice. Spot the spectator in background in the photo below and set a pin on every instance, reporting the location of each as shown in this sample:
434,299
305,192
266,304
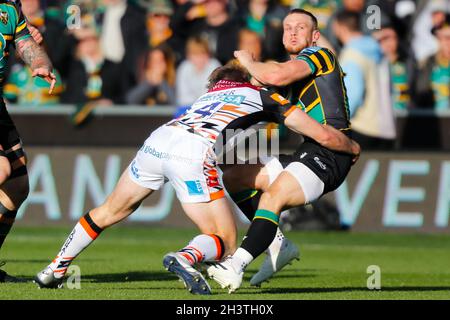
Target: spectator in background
249,40
367,84
401,66
159,13
355,6
158,79
265,17
433,85
193,73
218,26
92,77
429,13
323,10
123,38
158,18
186,14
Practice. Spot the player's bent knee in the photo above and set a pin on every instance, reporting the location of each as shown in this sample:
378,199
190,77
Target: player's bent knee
272,200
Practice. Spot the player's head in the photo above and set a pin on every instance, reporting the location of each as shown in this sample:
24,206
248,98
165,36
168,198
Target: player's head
232,71
299,31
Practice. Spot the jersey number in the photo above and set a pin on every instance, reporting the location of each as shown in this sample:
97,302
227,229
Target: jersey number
208,109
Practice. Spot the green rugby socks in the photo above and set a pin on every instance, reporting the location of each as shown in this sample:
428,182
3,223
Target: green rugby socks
261,232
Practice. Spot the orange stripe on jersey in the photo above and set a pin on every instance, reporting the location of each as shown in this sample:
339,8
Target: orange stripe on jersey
218,246
210,135
222,114
88,228
234,109
221,120
217,195
291,109
280,99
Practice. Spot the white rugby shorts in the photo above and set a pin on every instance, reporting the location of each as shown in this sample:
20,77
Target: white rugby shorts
310,183
184,159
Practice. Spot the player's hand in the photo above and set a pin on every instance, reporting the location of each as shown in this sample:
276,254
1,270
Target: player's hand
243,56
35,34
47,75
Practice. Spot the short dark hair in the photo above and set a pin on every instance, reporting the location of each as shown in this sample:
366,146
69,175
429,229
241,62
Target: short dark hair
308,13
232,71
349,19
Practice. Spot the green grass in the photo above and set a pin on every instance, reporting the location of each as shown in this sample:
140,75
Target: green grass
125,263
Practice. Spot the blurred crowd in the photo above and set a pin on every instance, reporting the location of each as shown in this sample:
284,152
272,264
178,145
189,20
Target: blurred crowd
396,54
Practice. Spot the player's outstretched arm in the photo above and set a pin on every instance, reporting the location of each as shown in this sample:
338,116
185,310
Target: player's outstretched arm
36,58
274,73
327,136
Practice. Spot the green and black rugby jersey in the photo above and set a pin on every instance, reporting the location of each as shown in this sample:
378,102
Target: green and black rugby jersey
322,95
13,28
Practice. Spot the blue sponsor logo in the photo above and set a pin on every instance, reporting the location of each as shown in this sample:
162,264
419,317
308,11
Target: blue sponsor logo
134,170
228,97
194,188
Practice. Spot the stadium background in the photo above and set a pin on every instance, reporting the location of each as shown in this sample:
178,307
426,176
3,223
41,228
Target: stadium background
78,145
79,140
395,203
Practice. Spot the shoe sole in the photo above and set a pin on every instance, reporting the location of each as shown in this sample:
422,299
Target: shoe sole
195,284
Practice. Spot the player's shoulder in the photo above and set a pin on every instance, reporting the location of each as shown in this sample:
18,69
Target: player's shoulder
15,3
315,49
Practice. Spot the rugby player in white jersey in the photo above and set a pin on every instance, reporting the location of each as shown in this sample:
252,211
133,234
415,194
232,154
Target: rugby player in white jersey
181,152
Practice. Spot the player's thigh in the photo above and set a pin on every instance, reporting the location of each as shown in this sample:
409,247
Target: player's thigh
5,166
15,189
137,182
285,192
245,176
123,201
127,195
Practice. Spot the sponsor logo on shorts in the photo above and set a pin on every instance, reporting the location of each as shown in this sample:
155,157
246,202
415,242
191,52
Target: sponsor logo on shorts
320,163
164,155
134,170
194,188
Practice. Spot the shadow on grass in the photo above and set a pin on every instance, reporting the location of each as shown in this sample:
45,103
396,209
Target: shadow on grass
131,276
43,261
350,289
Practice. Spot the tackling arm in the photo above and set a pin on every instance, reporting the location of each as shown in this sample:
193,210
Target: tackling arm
274,73
327,136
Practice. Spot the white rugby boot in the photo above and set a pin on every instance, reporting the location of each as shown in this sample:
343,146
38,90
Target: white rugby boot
276,259
225,274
